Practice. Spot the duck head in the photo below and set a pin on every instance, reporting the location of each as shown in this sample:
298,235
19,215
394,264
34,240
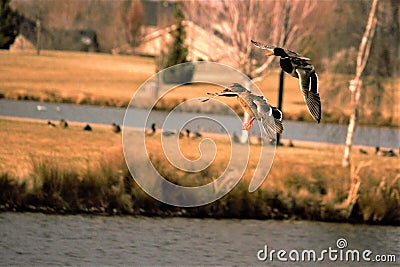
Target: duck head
277,51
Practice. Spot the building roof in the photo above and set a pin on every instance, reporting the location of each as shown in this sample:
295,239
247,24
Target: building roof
202,44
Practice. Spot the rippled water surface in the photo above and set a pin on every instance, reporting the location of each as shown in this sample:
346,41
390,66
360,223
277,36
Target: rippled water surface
37,239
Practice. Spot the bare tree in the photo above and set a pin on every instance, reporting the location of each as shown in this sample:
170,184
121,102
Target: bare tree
234,22
237,22
356,84
132,17
287,27
347,206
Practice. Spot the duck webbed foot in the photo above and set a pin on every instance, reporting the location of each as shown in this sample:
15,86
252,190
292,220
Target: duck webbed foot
247,125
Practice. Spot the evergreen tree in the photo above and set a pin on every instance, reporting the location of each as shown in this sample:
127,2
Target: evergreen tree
177,54
9,24
178,51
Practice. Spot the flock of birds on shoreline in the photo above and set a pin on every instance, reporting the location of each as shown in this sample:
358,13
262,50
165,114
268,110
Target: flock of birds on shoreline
116,128
254,140
187,133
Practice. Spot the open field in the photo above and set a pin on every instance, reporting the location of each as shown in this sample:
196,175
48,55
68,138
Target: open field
102,79
70,170
27,140
81,78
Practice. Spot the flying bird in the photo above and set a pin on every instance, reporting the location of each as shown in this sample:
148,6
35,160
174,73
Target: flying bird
270,116
257,107
299,67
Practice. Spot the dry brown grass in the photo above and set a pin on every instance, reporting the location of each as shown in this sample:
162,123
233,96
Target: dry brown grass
26,140
305,159
72,76
305,181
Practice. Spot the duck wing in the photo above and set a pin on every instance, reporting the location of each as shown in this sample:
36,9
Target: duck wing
270,117
296,56
277,115
309,86
246,100
261,45
290,53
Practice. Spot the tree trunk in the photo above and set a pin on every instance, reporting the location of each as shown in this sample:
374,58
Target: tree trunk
355,89
38,33
355,84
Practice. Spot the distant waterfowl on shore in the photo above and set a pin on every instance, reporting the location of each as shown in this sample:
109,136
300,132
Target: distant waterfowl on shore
363,151
51,124
384,153
291,144
236,138
41,108
63,123
87,128
193,135
256,140
151,131
167,133
116,128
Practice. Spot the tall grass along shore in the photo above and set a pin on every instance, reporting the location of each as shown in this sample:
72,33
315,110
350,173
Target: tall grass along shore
306,181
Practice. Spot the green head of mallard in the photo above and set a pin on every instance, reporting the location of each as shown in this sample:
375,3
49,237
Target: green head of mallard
276,51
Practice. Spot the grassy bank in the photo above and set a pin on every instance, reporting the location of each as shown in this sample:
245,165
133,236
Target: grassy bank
70,171
107,80
72,77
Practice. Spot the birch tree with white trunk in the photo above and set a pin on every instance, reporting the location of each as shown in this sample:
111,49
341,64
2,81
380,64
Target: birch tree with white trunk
355,85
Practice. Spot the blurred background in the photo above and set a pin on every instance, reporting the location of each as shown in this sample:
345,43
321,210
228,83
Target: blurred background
328,32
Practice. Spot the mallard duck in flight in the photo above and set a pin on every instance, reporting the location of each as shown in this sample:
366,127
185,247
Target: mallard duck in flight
270,117
257,107
299,67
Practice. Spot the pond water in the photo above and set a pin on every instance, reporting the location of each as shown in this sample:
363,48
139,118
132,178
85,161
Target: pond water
304,131
38,239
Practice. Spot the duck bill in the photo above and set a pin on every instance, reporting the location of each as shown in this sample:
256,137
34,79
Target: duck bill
270,52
